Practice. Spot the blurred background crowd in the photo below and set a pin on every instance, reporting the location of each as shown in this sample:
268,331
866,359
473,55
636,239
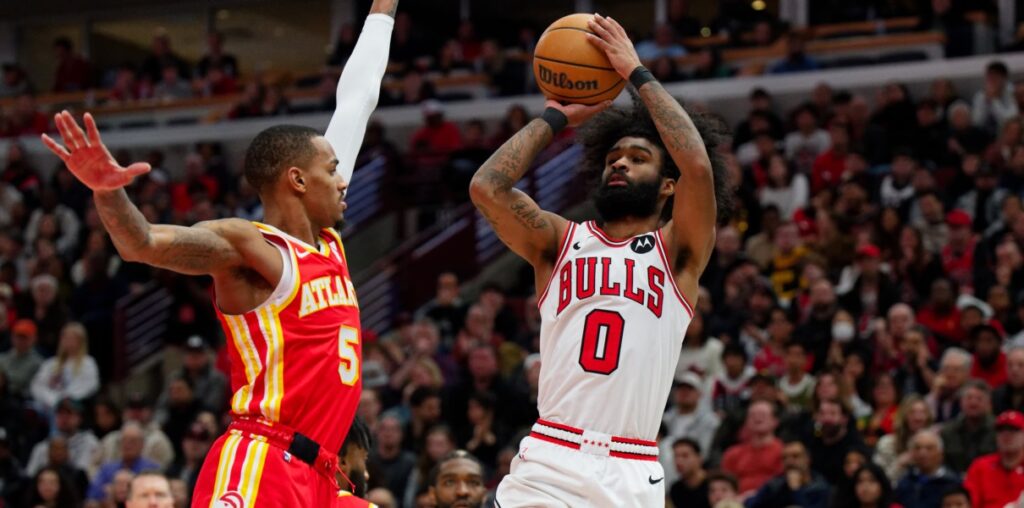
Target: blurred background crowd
858,341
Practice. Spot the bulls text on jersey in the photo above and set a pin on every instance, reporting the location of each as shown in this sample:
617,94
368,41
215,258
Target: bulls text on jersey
585,277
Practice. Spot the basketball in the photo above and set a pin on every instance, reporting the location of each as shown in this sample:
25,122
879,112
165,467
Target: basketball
569,68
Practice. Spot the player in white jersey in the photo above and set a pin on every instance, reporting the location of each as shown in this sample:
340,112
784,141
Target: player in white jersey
615,297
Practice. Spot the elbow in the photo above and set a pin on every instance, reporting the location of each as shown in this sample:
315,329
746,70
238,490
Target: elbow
132,254
480,192
129,255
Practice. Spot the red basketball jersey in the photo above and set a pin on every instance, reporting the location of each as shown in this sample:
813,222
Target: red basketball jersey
296,358
347,500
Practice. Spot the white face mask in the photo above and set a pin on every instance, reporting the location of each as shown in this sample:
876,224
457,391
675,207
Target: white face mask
842,331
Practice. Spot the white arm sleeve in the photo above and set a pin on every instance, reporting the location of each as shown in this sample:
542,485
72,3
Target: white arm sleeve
358,91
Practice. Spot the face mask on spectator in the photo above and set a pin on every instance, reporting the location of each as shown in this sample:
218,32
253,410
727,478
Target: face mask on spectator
842,331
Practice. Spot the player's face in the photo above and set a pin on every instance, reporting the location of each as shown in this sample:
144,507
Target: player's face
325,189
150,492
460,484
354,464
632,185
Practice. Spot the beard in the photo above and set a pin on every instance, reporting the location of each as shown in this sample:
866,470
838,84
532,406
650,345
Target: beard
471,504
358,479
635,199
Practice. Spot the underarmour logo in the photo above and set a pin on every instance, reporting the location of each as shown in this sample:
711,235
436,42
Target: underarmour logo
230,500
653,481
576,246
642,244
522,455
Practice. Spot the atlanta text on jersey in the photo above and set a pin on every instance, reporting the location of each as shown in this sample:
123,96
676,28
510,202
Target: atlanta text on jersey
323,292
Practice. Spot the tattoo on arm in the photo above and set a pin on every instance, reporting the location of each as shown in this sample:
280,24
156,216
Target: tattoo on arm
516,218
200,249
191,249
676,128
124,222
528,214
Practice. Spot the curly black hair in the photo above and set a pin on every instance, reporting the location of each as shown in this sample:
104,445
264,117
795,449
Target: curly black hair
601,133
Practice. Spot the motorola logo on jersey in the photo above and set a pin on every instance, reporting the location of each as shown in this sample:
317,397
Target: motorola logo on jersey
586,277
642,244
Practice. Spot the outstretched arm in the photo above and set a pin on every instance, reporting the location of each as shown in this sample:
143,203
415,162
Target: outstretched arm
691,234
518,221
208,248
530,232
359,86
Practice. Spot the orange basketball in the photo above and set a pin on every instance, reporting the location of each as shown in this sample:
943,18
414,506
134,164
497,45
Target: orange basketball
569,68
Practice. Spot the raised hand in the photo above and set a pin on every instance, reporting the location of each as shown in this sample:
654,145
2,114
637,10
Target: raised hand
578,113
87,158
612,39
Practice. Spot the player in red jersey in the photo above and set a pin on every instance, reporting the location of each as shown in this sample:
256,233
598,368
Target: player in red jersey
282,289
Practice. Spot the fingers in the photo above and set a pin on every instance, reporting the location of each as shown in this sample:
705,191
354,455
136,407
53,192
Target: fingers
602,106
617,28
65,133
70,132
598,25
56,148
91,130
599,42
76,131
139,168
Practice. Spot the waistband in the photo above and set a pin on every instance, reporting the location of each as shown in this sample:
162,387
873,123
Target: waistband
293,443
594,443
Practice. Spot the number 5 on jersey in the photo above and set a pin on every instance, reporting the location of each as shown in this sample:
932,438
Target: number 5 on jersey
348,369
602,341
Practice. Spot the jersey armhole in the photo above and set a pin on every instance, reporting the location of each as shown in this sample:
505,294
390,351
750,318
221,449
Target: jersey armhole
663,252
336,237
286,286
566,241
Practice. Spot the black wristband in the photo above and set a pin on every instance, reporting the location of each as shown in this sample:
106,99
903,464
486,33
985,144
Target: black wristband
640,76
556,119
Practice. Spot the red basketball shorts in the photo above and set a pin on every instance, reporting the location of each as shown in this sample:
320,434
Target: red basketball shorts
244,470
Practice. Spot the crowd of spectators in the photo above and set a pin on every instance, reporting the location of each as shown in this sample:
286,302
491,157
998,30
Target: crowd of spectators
421,58
859,339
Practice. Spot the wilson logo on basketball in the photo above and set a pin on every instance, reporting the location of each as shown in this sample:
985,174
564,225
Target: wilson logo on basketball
563,81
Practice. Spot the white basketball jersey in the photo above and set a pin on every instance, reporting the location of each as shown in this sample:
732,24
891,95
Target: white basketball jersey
612,324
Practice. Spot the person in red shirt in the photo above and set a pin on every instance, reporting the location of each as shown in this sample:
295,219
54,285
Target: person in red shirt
73,73
758,459
771,359
195,184
828,169
25,119
958,254
940,315
996,479
989,363
434,142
